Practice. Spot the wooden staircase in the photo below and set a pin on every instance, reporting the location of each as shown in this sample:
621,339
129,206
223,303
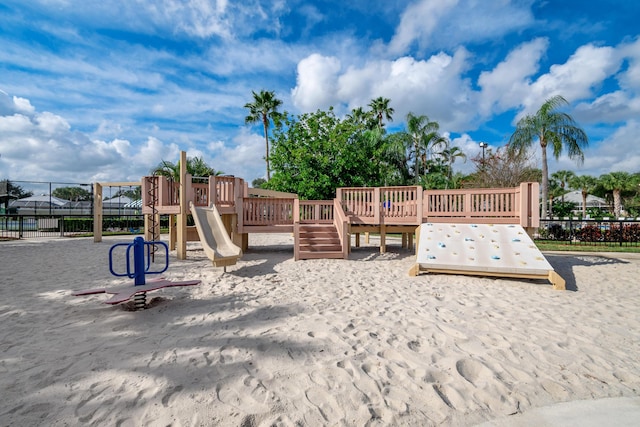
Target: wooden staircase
315,241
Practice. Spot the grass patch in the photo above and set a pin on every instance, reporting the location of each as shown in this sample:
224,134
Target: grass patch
565,246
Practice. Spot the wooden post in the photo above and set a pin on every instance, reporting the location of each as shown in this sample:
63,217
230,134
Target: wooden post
172,232
529,207
181,248
467,204
148,231
420,207
213,192
97,212
376,206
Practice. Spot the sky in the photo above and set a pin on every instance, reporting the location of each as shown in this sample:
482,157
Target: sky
105,90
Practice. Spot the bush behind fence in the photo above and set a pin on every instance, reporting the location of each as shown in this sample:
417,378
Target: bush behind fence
19,226
623,232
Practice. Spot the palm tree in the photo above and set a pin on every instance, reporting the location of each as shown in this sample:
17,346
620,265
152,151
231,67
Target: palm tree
380,108
617,182
584,183
450,155
420,129
196,166
395,154
550,127
263,108
563,177
360,117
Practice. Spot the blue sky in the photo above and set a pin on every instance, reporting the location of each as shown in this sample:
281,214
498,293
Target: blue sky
104,90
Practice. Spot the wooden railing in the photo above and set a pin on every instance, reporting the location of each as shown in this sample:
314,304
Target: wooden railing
517,205
315,212
221,190
361,206
200,195
227,190
258,211
401,205
382,205
359,203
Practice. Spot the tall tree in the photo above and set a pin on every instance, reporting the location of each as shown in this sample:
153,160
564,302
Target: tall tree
11,191
74,194
263,109
381,109
14,191
549,126
584,183
563,177
315,153
196,167
395,157
504,168
362,118
617,182
424,134
449,155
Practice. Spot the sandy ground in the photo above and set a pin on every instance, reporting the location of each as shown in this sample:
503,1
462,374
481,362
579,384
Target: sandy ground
321,342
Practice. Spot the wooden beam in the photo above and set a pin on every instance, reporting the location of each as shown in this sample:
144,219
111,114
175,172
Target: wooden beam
97,212
121,184
181,243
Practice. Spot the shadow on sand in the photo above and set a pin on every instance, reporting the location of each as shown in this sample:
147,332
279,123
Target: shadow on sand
564,264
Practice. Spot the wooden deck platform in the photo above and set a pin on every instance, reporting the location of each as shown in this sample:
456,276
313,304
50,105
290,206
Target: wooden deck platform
381,210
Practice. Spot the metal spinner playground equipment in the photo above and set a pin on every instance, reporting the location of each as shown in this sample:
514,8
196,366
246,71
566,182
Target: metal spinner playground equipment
142,255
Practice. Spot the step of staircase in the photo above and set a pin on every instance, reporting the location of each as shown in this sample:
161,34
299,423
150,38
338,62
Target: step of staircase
318,241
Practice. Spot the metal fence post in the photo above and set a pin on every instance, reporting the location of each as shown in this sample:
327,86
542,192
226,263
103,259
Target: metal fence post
621,237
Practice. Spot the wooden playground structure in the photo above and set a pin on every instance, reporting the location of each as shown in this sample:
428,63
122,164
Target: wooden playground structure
321,228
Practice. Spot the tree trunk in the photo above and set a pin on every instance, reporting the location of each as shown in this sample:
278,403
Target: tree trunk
266,140
545,179
416,169
617,203
584,204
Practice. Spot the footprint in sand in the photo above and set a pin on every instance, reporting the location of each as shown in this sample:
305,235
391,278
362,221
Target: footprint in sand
326,404
249,396
473,371
414,345
169,394
554,389
95,392
452,331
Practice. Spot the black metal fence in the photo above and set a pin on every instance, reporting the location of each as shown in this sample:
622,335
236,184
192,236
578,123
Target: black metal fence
32,226
621,232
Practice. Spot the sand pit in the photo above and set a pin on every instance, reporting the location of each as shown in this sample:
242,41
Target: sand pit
318,342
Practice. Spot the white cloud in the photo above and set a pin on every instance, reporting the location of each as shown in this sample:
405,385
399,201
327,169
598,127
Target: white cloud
576,79
244,158
418,22
434,87
447,24
193,18
508,83
630,78
23,106
616,152
43,146
613,107
316,83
